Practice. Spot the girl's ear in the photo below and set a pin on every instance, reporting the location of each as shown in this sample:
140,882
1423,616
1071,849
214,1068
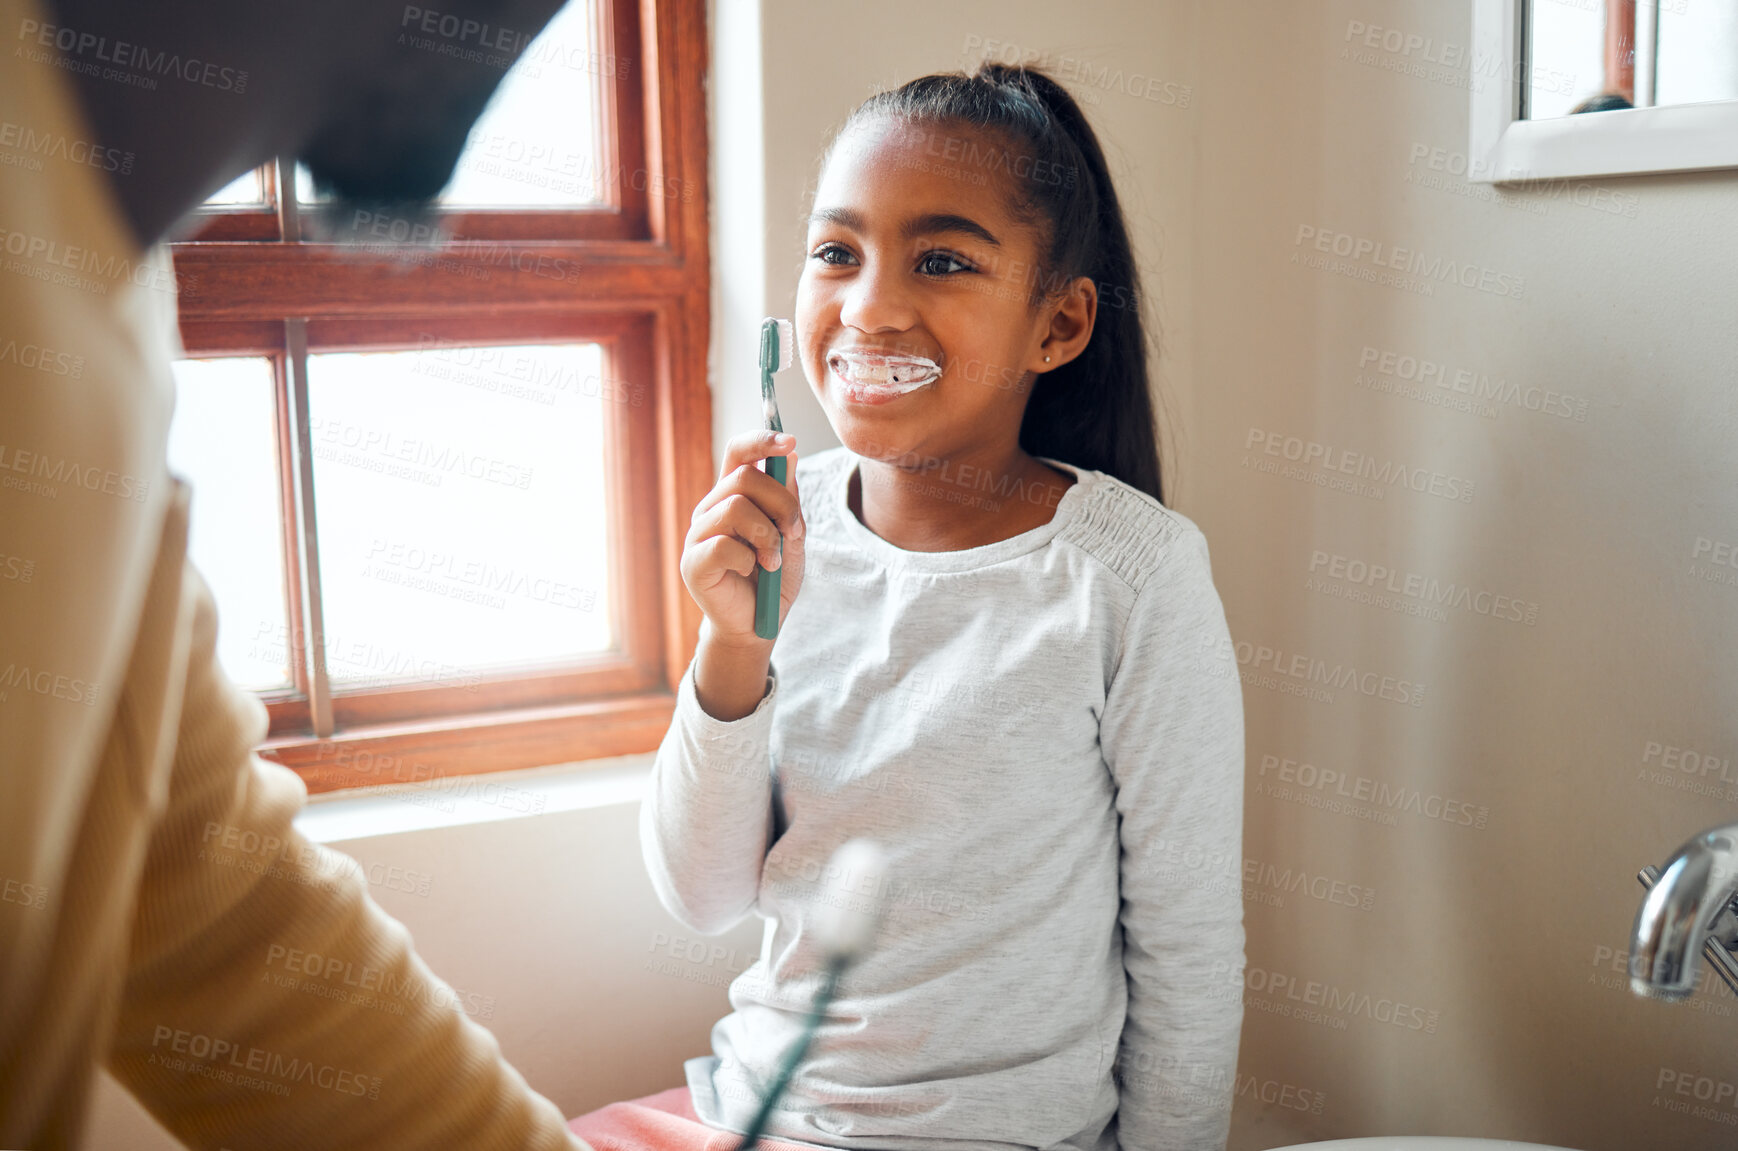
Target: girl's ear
1071,320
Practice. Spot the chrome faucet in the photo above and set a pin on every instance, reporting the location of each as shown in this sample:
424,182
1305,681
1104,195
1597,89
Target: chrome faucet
1691,904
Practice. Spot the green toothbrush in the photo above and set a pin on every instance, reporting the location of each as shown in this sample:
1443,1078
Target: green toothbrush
778,340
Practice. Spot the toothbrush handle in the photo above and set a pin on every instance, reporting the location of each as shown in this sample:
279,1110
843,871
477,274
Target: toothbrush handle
766,584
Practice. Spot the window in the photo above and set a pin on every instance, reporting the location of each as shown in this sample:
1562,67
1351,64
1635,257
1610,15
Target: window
440,487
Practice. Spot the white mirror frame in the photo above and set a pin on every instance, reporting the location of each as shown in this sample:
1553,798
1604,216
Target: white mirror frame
1630,141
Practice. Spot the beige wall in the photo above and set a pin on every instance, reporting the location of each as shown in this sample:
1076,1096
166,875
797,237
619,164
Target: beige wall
1621,303
1589,509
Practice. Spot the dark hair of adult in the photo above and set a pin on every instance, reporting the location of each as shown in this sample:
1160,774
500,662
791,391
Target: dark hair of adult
1603,102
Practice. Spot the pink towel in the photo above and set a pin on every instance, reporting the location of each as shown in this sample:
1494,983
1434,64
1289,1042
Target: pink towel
661,1122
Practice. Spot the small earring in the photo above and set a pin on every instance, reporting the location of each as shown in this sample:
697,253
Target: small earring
1047,359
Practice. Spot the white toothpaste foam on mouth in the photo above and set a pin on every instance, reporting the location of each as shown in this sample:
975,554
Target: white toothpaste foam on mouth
886,372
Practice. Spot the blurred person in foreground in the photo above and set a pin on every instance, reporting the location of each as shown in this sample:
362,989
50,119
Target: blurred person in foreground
148,866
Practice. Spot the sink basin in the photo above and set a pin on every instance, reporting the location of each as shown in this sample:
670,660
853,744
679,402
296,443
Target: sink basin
1421,1143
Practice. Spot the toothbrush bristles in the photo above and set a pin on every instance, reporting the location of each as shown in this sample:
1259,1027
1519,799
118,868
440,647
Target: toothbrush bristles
787,344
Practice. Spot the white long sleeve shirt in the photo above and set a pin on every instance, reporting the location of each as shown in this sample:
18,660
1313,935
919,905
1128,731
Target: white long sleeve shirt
1046,736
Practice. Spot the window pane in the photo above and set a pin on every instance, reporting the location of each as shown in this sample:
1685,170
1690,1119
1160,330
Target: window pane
536,145
248,188
305,191
1698,53
1568,56
223,441
462,513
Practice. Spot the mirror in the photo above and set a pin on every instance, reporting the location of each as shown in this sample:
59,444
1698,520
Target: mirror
1610,55
1661,77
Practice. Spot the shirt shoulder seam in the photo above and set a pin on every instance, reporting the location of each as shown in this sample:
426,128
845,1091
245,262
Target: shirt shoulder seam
1127,531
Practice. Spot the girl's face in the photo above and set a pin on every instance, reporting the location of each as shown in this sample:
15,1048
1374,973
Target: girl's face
912,250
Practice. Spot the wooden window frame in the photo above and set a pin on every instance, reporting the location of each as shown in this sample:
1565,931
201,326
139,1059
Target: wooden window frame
632,275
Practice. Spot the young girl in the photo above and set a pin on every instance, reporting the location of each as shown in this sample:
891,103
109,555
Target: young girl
1001,657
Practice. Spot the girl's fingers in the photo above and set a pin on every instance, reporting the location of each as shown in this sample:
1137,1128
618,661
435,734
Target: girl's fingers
778,502
722,556
752,447
747,520
740,517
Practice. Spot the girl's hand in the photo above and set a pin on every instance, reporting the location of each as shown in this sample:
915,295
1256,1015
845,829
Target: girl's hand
736,525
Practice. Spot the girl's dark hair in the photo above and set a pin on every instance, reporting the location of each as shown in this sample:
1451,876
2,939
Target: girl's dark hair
1095,411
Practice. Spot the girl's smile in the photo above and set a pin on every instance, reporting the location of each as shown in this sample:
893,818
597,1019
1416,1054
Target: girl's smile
871,376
